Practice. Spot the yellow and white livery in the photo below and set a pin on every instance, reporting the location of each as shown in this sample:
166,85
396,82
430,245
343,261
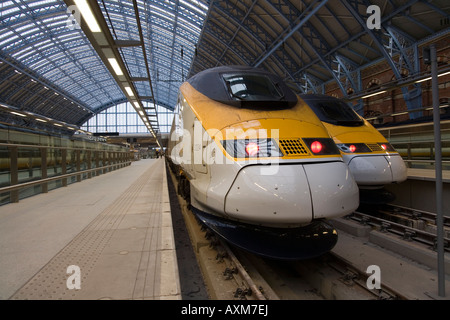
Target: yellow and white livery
249,152
371,158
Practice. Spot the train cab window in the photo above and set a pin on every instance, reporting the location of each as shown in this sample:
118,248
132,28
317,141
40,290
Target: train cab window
252,87
335,111
244,87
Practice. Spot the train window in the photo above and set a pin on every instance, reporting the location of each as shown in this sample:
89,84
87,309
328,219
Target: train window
252,87
335,111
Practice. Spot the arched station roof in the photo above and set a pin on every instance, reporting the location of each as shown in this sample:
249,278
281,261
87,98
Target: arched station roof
50,65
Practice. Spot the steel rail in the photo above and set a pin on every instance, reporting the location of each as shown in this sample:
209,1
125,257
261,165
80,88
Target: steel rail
360,277
242,272
417,214
399,229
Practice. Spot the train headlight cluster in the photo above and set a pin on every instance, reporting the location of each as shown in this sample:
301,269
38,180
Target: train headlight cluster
252,148
321,146
364,148
354,148
387,147
266,148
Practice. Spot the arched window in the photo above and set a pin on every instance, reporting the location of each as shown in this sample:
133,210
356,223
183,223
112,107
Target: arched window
122,118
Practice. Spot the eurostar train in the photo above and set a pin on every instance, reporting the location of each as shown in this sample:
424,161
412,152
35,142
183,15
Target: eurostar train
371,159
257,165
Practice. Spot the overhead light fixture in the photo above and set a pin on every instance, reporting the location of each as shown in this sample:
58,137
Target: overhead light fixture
398,114
136,104
88,16
429,78
18,114
373,94
422,80
41,120
115,65
129,91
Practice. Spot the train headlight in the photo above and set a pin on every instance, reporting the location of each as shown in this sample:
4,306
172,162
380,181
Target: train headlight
354,147
321,146
386,146
252,148
316,146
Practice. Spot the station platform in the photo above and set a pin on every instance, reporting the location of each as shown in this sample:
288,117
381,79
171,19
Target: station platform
109,237
427,175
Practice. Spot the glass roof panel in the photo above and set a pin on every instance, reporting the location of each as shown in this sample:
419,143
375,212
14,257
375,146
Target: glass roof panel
37,35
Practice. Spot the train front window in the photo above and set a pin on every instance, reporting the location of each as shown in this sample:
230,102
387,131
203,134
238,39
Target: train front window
250,87
336,112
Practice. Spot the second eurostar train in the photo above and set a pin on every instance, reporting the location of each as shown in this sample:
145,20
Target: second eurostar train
372,160
257,165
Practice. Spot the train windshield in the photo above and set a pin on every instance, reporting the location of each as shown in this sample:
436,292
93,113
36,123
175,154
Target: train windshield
335,112
252,87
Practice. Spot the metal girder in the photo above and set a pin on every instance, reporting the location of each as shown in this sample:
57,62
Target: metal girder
345,72
319,46
309,83
34,94
349,73
228,45
300,21
53,70
283,56
413,98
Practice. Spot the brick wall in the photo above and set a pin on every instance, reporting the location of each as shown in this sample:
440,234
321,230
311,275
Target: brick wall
392,101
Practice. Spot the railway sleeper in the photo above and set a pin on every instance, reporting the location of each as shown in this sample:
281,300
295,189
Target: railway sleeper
349,277
228,273
242,294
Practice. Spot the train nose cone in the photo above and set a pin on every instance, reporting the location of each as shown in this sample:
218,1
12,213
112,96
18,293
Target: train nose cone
377,170
295,194
334,192
398,168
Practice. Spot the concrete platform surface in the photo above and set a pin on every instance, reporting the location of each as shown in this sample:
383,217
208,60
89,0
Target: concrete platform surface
399,271
109,237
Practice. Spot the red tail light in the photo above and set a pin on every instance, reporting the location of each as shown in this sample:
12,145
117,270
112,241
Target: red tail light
252,149
352,148
316,147
321,146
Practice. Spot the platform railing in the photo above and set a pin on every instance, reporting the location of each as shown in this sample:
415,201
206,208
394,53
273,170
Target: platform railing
421,153
24,166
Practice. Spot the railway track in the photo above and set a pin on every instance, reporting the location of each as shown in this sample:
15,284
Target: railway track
410,224
233,274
